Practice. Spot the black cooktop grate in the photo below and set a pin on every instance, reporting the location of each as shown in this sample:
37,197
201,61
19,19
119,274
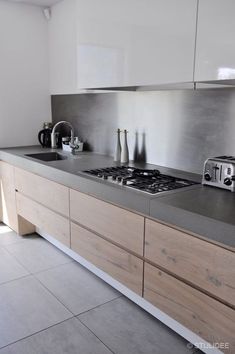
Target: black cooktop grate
148,181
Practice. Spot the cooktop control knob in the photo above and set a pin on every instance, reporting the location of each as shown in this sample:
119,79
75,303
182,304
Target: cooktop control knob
228,181
207,176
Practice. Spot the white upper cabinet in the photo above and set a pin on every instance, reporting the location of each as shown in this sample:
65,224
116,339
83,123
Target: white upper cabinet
62,48
215,49
113,43
135,42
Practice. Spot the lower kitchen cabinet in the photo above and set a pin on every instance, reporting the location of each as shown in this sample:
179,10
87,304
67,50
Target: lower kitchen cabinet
201,263
121,265
116,224
205,316
189,279
8,213
53,195
44,218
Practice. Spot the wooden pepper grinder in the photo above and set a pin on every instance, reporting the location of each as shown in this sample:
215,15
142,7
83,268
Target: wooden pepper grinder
117,155
125,150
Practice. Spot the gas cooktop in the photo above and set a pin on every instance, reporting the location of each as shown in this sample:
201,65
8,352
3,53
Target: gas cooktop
148,181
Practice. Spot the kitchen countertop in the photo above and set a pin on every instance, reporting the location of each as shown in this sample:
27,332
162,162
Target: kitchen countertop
206,211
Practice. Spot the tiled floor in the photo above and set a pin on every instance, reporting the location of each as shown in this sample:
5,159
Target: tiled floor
49,304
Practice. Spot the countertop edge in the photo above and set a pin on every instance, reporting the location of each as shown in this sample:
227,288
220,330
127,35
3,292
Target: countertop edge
197,225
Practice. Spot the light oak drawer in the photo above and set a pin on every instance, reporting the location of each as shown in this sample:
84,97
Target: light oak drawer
8,212
45,219
205,316
121,265
51,194
208,266
116,224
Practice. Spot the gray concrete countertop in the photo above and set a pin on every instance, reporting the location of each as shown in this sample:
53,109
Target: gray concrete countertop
206,211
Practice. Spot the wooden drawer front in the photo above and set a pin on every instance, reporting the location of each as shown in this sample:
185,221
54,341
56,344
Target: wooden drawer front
47,220
208,266
121,265
49,193
209,318
9,216
118,225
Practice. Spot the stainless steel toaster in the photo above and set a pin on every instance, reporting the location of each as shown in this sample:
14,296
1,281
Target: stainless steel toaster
220,172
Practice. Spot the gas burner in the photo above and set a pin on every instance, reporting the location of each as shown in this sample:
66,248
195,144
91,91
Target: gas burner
145,173
148,181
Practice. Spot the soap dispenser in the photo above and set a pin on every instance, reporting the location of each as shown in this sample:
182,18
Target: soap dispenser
125,151
117,155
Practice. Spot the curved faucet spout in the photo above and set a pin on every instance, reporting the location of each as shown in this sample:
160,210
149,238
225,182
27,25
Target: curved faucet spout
53,136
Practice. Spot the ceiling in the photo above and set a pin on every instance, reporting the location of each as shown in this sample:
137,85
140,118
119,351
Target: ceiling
43,3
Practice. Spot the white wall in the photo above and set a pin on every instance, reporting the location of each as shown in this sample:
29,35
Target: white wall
24,74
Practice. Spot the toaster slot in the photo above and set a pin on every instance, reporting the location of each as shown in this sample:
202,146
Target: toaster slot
221,170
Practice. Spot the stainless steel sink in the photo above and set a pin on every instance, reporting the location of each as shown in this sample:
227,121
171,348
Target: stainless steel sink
47,156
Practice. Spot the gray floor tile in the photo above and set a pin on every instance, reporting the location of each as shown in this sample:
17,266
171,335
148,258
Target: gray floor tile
37,254
69,337
76,287
10,269
7,236
25,308
126,329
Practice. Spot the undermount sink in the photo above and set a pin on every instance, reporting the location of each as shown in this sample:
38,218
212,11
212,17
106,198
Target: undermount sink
47,156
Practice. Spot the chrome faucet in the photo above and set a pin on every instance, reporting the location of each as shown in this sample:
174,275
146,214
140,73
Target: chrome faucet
53,135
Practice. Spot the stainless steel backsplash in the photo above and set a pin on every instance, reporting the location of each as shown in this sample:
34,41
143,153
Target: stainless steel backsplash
177,129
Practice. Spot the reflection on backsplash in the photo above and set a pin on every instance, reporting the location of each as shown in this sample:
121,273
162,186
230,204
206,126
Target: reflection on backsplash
140,154
177,129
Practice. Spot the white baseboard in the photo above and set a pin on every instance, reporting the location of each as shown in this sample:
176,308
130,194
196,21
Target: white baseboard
154,311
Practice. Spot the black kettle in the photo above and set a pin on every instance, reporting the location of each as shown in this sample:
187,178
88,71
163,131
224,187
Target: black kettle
44,136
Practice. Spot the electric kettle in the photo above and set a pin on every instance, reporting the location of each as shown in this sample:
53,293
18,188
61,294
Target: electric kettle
44,136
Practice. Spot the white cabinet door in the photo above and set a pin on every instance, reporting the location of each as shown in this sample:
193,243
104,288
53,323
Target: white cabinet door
215,49
135,42
62,48
110,43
